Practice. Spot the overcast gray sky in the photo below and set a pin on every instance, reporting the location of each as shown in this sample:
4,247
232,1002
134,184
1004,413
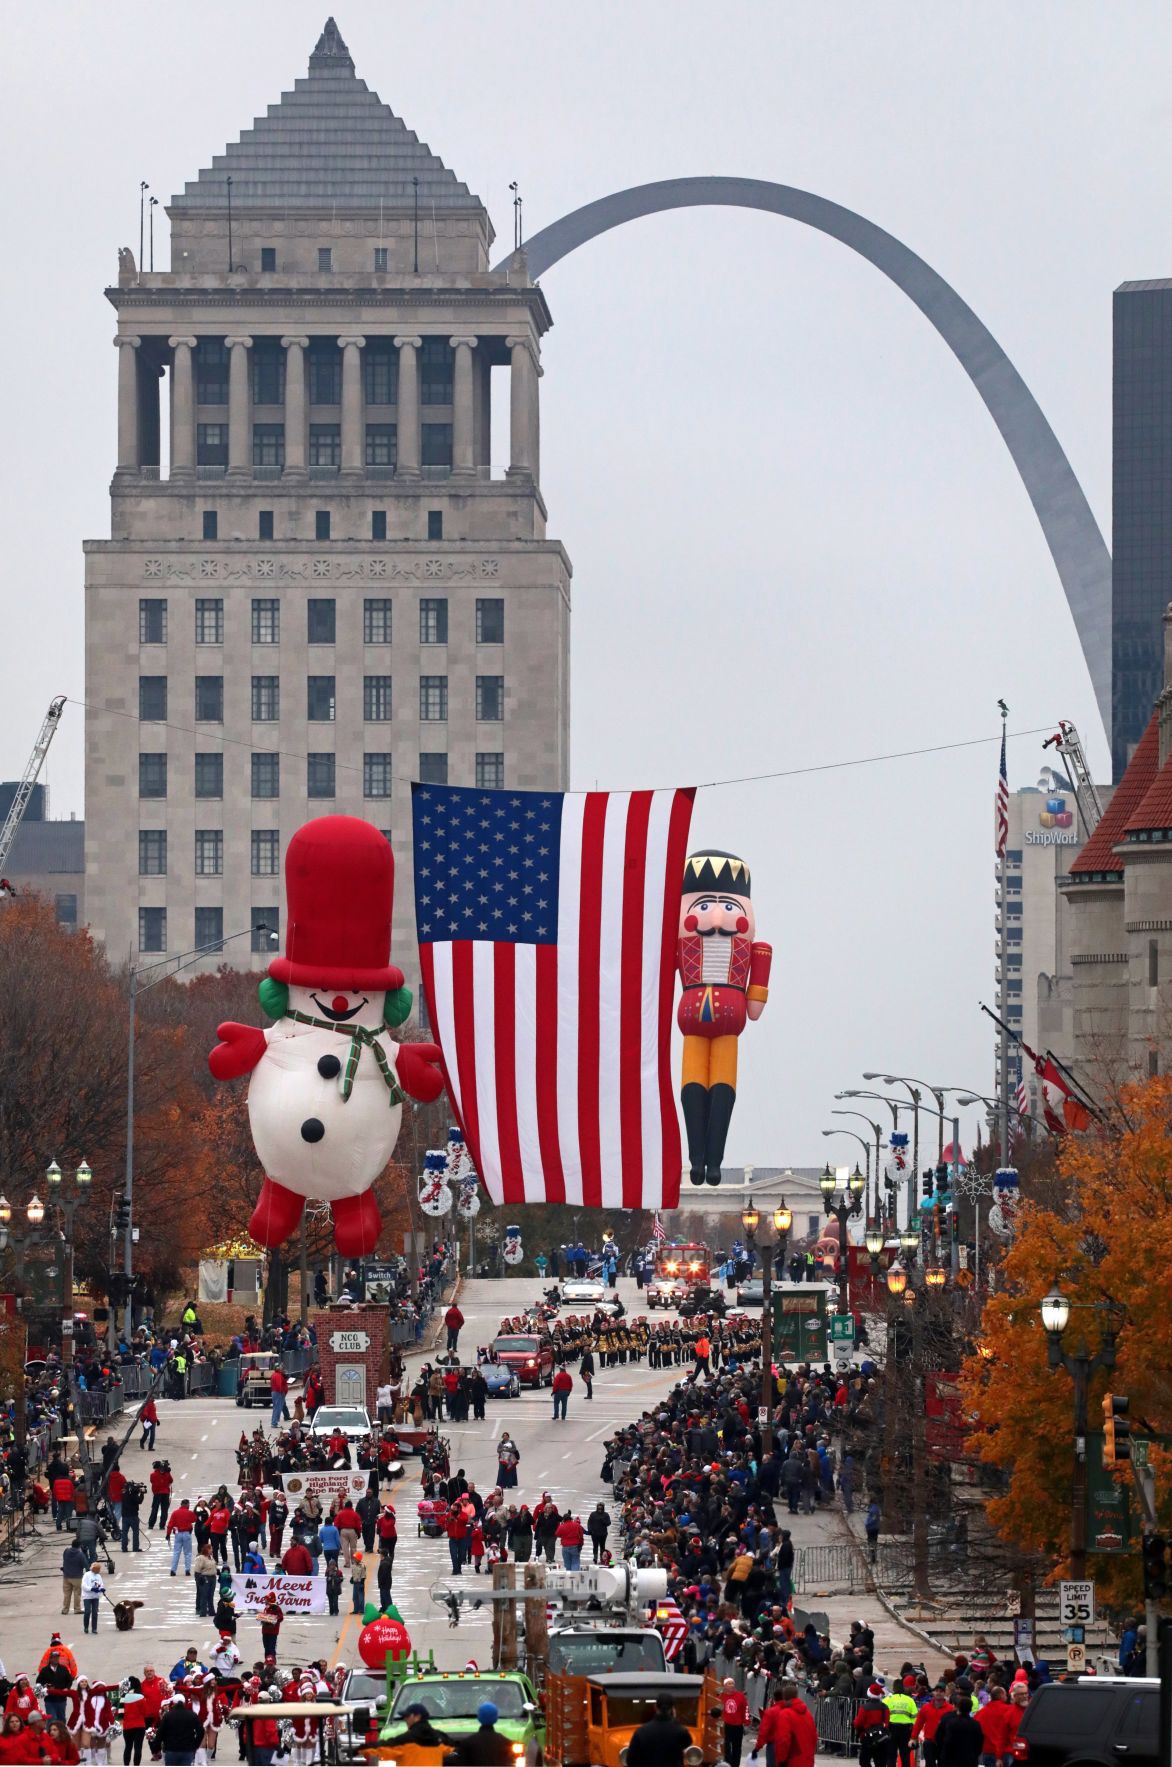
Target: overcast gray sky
797,536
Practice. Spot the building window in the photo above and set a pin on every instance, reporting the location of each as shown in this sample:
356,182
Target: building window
152,929
433,619
320,693
268,371
490,620
435,371
211,444
266,776
152,698
209,776
1013,935
266,852
266,622
319,776
433,699
376,776
209,620
325,257
152,776
433,769
1153,964
378,524
152,622
1013,856
211,373
268,449
380,444
325,372
321,524
490,772
1013,962
211,525
266,699
264,524
152,852
209,699
1012,987
209,852
436,444
266,929
435,524
65,910
376,620
380,373
209,929
380,259
490,698
376,698
268,259
1153,1063
325,444
322,619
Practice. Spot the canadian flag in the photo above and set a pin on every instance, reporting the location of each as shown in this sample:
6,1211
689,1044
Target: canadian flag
1062,1111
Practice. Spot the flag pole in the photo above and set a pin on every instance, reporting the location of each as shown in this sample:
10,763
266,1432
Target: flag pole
1003,985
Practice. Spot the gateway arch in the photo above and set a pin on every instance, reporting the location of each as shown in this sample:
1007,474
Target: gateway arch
1077,547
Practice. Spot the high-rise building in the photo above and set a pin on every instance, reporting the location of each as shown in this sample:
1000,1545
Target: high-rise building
318,584
1141,519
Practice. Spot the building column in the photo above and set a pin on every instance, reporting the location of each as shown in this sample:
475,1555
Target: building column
353,440
463,456
239,409
522,409
127,403
296,434
182,409
407,429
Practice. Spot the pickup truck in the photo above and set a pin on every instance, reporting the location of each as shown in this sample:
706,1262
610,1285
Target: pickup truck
531,1354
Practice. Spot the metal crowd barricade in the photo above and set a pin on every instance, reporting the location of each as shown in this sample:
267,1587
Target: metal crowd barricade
834,1716
823,1568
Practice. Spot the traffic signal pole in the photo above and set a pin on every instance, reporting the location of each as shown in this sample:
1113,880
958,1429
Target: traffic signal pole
1156,1648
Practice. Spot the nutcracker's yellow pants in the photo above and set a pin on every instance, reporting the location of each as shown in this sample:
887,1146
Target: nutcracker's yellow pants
710,1061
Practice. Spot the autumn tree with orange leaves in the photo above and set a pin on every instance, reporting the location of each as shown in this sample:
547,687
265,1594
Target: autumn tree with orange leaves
1104,1233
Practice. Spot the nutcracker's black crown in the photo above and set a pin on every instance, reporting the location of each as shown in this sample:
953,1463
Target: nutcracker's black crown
715,870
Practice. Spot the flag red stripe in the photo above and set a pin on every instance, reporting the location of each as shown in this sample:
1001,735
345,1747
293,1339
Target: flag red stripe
589,948
677,853
631,998
504,977
463,999
547,1073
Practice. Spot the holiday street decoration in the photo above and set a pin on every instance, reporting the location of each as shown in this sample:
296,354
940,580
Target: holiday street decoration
725,975
326,1094
1006,1197
462,1173
383,1635
434,1196
511,1251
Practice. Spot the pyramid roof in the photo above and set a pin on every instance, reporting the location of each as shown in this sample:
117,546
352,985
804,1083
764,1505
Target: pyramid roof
1155,808
330,143
1099,855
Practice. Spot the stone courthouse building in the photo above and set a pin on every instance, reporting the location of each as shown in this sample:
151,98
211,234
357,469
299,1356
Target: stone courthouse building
318,585
1119,898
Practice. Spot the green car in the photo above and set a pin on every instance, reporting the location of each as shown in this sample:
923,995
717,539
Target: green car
452,1700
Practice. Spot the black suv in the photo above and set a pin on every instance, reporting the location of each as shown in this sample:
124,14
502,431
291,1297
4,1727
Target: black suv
1096,1722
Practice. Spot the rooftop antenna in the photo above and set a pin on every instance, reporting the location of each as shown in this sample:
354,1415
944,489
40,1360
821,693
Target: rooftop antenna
229,226
415,184
143,187
154,203
516,215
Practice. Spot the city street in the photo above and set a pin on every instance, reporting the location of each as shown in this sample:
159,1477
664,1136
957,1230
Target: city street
199,1438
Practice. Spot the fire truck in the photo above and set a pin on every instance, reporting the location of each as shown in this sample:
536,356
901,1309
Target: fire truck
679,1268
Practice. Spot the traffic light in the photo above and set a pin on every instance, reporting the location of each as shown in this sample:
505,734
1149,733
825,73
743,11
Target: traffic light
1155,1569
1116,1429
926,1181
942,1180
121,1214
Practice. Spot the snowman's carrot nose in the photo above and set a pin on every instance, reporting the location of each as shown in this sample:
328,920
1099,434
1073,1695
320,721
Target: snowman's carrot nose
340,1003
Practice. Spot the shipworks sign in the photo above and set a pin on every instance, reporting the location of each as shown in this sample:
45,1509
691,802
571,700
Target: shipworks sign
1049,837
1057,826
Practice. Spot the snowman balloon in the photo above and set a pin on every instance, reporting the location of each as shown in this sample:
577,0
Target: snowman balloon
325,1100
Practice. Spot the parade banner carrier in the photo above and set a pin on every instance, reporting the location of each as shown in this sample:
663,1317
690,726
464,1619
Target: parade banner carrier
339,1485
547,928
297,1595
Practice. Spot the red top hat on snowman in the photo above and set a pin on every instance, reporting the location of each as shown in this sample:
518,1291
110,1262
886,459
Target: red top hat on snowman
339,887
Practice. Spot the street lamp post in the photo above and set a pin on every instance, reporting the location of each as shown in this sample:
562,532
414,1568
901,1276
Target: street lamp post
866,1147
782,1222
877,1131
849,1204
916,1088
67,1201
1081,1366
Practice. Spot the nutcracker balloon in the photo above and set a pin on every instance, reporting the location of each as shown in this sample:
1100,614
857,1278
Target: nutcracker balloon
725,975
328,1081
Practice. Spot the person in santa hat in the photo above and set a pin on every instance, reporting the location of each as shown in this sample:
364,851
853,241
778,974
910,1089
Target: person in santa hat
328,1081
94,1721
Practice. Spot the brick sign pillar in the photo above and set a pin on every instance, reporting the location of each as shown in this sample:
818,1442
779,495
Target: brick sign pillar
352,1349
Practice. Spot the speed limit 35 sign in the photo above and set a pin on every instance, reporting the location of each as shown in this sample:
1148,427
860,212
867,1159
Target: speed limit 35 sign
1076,1604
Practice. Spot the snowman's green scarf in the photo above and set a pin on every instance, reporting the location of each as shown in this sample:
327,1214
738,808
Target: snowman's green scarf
361,1037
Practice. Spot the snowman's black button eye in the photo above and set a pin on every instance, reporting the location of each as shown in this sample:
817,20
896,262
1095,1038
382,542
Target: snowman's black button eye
312,1129
329,1067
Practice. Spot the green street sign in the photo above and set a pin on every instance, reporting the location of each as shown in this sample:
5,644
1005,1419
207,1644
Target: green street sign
799,1323
842,1329
1139,1451
1108,1508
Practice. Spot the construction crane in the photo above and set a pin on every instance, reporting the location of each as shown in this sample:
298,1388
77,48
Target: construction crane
24,790
1067,742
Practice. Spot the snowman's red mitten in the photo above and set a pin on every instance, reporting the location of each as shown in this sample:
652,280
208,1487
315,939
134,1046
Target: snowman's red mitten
418,1074
238,1051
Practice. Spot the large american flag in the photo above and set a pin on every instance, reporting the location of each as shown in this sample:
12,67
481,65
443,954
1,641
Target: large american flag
1002,805
547,926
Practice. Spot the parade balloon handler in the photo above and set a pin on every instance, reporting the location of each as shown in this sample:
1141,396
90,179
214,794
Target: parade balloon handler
725,976
326,1095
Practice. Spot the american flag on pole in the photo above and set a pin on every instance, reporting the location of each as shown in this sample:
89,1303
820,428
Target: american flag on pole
1022,1101
1002,806
658,1231
547,926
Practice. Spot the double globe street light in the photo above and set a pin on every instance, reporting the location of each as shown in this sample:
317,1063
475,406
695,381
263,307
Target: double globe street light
64,1200
850,1203
1081,1366
783,1220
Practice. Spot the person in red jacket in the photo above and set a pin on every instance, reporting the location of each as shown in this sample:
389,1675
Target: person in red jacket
148,1417
57,1745
272,1614
387,1529
734,1710
63,1500
996,1719
22,1699
927,1722
456,1528
154,1691
570,1535
16,1744
298,1560
266,1737
453,1320
349,1524
872,1726
219,1522
278,1387
180,1529
563,1384
162,1481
